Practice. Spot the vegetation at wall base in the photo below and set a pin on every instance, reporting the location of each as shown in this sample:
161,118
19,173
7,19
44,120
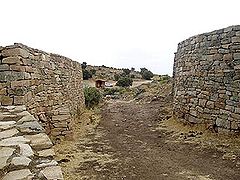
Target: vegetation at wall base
92,96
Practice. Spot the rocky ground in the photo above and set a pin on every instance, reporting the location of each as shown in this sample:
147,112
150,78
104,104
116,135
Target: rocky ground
138,140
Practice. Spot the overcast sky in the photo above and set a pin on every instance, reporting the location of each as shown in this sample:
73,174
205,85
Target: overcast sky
119,33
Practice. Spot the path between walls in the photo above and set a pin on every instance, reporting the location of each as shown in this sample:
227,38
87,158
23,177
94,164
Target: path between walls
25,149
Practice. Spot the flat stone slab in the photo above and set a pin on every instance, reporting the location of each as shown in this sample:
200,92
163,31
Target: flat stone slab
14,141
19,174
39,141
6,124
5,154
53,172
27,118
26,150
21,161
29,127
8,133
46,164
46,153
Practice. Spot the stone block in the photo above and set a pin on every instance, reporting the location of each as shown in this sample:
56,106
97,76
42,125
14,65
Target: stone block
236,39
15,52
3,91
8,133
18,100
227,57
6,100
39,141
17,68
53,172
6,76
26,150
11,60
223,123
210,104
236,56
19,174
21,83
21,161
46,153
5,154
14,141
4,67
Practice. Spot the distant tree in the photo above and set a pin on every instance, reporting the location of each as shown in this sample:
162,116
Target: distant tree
124,82
84,65
132,69
86,74
126,71
132,76
146,74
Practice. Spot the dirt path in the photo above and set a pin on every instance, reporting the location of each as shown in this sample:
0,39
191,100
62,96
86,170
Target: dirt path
129,144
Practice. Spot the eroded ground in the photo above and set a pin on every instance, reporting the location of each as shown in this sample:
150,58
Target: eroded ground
136,141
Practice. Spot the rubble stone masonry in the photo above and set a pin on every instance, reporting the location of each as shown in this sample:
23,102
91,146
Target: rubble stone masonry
207,79
49,85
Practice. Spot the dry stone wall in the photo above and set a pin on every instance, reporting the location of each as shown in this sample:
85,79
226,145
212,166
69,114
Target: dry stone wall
207,79
49,85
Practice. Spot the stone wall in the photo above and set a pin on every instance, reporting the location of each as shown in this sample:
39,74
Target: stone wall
48,84
207,79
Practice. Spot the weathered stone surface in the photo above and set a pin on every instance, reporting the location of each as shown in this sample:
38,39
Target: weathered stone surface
6,124
6,76
11,60
8,133
46,164
6,100
5,153
21,161
46,153
27,118
26,150
15,52
14,141
53,172
39,141
18,175
4,67
30,127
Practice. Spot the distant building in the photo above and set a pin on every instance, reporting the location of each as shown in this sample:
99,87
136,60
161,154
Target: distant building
100,83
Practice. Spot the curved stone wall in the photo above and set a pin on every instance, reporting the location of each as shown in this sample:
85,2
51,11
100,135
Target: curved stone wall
207,79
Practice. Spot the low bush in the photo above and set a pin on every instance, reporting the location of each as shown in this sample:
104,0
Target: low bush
124,82
92,96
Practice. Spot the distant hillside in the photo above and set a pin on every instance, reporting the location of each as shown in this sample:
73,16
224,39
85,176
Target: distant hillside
110,73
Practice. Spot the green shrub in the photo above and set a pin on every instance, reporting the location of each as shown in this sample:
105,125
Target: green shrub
146,74
116,77
86,74
92,96
124,82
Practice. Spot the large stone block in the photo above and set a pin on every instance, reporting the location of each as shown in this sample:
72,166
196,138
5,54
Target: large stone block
11,60
15,52
7,76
